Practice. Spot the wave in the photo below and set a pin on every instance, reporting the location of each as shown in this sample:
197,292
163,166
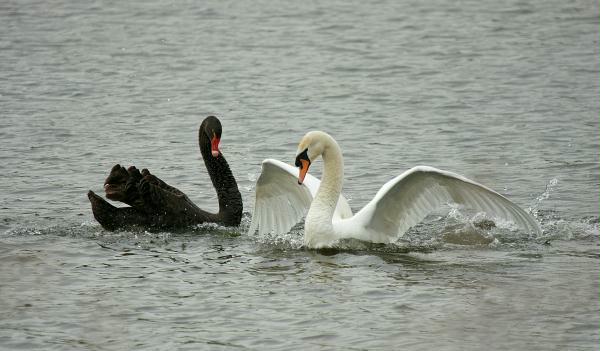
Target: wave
456,229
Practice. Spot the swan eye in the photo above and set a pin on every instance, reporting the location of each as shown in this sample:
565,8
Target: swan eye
303,156
303,163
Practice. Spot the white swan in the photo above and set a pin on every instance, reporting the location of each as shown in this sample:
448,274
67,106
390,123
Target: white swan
404,201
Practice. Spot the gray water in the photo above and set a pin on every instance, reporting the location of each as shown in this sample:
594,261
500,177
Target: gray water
505,93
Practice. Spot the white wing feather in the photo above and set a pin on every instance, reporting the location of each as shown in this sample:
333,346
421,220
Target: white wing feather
281,203
407,199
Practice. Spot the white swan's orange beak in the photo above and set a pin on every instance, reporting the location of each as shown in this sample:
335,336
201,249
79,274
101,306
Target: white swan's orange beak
304,164
214,145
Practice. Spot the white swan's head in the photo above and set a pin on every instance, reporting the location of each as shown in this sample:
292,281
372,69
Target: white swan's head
312,145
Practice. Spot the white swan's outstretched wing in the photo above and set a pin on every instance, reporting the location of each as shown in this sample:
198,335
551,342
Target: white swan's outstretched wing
280,202
407,199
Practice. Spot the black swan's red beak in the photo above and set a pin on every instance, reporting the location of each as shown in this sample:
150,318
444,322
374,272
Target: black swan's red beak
214,145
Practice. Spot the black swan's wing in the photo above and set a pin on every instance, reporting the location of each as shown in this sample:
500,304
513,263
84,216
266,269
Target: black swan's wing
153,203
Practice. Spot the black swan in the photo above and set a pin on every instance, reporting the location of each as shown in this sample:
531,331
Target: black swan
155,204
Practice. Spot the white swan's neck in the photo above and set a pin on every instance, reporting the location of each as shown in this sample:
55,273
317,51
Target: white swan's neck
318,226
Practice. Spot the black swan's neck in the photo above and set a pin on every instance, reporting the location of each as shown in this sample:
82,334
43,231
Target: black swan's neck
230,199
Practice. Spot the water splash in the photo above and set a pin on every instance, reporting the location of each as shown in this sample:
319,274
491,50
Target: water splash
558,228
550,187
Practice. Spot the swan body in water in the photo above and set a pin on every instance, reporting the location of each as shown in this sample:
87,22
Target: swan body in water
284,194
153,204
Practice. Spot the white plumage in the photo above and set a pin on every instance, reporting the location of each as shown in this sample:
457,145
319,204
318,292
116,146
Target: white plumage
281,202
400,203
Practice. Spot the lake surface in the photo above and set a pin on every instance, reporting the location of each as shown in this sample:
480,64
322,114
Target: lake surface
505,93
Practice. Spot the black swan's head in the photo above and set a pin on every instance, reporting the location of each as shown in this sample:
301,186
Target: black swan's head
211,127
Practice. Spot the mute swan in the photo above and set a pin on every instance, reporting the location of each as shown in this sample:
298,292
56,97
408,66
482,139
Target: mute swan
155,204
401,203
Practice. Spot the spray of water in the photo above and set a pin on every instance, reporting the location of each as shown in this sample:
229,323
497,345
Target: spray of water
550,186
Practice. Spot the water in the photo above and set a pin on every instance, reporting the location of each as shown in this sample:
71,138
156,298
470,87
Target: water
505,93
